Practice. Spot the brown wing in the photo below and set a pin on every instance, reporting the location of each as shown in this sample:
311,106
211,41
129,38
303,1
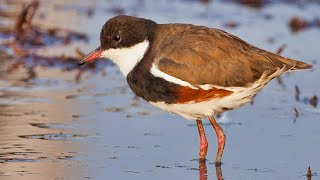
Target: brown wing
210,56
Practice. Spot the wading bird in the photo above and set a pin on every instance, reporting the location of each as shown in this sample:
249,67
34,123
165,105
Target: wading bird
189,70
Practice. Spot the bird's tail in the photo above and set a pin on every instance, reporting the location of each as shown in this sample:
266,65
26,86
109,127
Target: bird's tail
301,65
295,65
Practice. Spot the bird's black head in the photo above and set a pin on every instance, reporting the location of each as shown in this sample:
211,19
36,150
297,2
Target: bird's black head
121,32
125,31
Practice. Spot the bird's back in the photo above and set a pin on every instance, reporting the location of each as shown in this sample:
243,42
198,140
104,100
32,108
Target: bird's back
201,55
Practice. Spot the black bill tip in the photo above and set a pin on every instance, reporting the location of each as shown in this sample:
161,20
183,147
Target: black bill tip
80,63
93,55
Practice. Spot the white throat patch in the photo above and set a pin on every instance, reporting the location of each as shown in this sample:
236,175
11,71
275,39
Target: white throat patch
127,58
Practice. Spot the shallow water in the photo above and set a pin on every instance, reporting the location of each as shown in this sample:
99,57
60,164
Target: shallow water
52,127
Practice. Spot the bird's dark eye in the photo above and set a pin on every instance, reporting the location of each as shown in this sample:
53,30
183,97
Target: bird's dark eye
116,38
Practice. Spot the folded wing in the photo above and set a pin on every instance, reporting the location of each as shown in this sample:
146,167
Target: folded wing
210,56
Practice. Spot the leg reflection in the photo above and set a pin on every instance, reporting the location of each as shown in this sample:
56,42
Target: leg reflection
203,171
219,172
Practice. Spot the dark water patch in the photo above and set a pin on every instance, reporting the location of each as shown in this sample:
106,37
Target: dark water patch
54,136
260,169
17,157
31,112
87,177
231,24
101,94
42,157
3,174
16,97
7,147
17,153
297,93
10,114
50,125
133,147
193,169
162,166
197,160
152,134
114,157
4,105
73,96
64,157
180,166
130,171
5,160
144,113
18,145
129,116
113,109
286,135
296,114
75,116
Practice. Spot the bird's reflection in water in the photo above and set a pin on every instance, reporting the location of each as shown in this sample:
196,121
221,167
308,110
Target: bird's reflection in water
203,171
219,172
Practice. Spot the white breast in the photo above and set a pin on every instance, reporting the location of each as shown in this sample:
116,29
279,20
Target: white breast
127,58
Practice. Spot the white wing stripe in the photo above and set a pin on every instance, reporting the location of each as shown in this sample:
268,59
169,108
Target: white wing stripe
157,73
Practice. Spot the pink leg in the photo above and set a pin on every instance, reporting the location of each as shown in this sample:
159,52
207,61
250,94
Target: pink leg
203,142
220,137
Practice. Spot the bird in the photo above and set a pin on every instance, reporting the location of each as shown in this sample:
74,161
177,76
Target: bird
189,70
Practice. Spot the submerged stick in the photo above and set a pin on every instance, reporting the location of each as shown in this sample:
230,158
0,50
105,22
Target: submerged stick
23,22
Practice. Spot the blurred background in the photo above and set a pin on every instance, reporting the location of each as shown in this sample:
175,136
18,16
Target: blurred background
59,121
